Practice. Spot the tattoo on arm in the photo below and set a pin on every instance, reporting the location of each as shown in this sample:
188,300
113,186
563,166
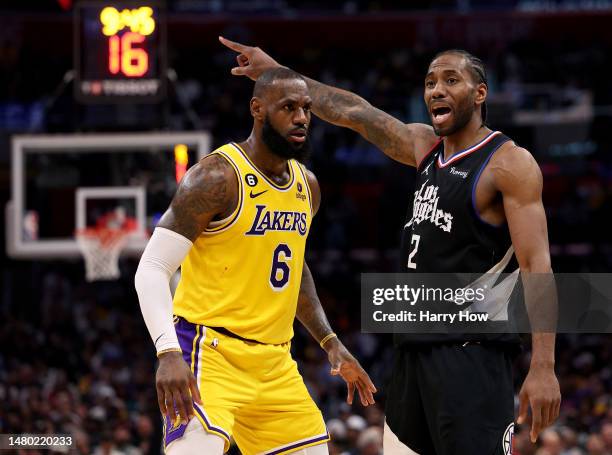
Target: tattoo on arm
343,108
204,192
309,310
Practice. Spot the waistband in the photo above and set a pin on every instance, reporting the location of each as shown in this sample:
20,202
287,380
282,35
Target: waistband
231,334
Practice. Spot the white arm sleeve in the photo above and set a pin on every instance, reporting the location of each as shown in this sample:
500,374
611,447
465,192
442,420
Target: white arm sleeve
162,256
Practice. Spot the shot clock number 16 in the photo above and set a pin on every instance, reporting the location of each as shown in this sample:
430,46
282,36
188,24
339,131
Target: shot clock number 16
119,52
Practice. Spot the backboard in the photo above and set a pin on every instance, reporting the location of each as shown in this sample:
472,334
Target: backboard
61,183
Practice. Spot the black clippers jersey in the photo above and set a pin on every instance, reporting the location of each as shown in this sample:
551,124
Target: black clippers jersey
444,232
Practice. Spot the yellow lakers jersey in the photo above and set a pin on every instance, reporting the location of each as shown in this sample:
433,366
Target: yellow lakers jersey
243,273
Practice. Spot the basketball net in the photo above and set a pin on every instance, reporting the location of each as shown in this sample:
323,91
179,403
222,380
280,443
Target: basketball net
101,245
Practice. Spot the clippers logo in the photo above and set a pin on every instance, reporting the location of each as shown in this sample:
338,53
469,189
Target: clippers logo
425,208
507,439
266,220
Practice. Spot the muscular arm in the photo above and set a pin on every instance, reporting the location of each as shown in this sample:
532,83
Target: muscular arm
518,177
402,142
398,140
209,189
309,310
312,316
206,191
310,313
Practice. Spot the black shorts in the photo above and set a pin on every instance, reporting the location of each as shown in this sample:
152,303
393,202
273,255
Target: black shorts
451,399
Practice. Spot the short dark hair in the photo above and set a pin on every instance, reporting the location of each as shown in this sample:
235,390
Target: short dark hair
477,69
268,77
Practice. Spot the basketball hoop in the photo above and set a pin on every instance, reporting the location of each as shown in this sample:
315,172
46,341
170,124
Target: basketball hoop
101,246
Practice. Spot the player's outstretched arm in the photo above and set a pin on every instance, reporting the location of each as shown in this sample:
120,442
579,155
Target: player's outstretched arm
206,191
400,141
518,177
310,313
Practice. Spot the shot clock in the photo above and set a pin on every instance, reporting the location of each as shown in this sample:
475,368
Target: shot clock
119,51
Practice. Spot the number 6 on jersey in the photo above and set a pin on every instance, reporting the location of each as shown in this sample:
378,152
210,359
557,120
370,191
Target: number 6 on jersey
279,275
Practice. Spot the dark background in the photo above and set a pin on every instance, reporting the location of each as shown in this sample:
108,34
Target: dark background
76,357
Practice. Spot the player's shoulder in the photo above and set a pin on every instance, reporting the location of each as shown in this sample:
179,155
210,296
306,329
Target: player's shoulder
313,184
513,165
310,176
212,170
424,140
510,155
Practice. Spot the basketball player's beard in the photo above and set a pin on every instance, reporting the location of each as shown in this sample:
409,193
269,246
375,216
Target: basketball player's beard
280,146
463,115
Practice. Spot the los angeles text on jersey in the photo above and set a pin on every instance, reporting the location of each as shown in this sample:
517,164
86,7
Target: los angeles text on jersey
277,220
425,208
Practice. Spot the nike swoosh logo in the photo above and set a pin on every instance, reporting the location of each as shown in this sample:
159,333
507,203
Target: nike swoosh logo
254,195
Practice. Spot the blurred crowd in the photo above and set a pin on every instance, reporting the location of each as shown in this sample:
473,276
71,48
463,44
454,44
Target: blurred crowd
81,362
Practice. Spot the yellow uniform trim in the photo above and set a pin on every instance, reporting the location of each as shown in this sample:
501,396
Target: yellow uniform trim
324,441
267,179
302,169
298,446
231,219
210,430
193,349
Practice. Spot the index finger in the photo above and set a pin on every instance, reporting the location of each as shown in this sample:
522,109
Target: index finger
366,393
366,378
233,45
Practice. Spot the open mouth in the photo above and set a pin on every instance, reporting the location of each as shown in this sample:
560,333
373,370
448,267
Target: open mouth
440,114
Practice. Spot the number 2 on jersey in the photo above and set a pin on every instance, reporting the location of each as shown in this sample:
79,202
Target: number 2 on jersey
414,240
279,275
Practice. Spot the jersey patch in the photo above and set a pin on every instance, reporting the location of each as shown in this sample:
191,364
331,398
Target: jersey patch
251,180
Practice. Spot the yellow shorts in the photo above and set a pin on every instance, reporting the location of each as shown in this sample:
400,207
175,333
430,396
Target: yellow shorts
250,391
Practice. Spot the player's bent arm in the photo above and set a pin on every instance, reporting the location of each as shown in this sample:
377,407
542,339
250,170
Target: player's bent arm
207,190
518,177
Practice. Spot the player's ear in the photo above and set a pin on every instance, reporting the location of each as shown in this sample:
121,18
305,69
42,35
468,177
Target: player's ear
481,94
257,108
